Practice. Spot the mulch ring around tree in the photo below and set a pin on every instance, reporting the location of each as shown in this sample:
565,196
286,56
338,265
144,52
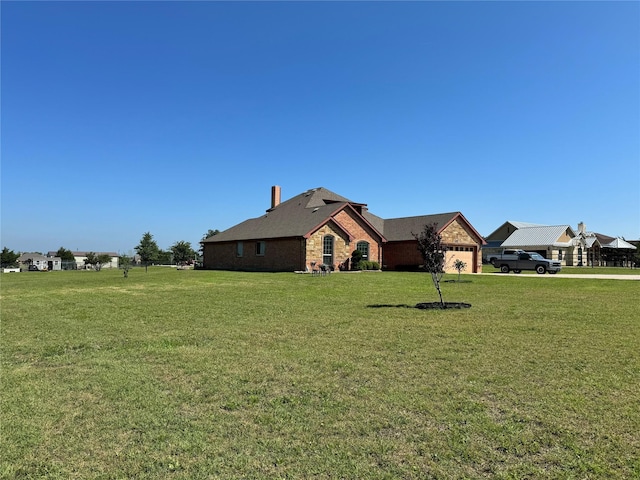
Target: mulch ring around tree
440,306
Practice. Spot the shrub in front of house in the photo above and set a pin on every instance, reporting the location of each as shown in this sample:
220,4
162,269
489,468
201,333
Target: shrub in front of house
356,260
367,265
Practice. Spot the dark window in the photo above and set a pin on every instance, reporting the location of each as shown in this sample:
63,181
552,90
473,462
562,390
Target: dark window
363,248
327,250
260,247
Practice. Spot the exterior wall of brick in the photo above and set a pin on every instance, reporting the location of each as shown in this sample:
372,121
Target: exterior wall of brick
360,233
401,255
286,255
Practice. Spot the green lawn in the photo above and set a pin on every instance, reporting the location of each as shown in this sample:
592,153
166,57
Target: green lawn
199,374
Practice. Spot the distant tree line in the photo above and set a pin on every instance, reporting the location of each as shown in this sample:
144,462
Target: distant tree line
148,251
180,253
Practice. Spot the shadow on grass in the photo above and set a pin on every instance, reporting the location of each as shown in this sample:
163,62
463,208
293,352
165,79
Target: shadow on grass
425,306
385,305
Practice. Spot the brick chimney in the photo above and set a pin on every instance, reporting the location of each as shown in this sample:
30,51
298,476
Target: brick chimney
275,196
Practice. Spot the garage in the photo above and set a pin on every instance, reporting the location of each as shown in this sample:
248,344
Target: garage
464,253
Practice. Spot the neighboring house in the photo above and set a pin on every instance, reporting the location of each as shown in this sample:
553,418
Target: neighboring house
81,258
320,227
494,240
555,242
559,242
603,250
552,241
40,261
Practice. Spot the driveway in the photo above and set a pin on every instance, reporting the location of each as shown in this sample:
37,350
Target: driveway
569,275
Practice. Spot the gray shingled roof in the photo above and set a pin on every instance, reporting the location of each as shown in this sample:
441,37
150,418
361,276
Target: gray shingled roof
295,217
400,229
306,212
538,236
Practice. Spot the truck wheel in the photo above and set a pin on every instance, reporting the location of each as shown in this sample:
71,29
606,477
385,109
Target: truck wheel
517,271
540,269
504,268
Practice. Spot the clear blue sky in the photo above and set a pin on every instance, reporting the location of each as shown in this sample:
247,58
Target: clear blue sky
120,118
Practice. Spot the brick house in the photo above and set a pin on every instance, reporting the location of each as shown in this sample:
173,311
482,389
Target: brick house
321,227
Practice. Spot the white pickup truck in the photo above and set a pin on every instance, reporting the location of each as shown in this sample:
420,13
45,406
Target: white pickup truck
507,254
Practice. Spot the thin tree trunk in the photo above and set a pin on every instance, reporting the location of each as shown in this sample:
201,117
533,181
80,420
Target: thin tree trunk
436,282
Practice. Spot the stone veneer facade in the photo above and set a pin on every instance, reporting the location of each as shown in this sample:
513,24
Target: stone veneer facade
343,247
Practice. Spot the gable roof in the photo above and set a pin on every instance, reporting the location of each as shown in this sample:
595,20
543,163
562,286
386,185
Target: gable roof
516,225
299,216
402,229
539,236
604,239
590,240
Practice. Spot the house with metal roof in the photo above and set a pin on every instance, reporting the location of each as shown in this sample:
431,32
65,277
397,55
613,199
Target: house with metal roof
550,241
558,242
495,239
604,250
320,227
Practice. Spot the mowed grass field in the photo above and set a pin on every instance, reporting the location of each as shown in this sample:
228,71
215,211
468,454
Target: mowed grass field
221,375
